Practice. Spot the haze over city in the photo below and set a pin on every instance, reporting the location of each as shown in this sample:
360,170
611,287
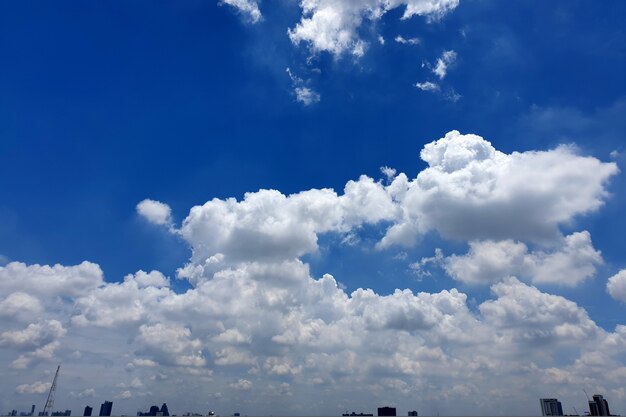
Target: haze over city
313,208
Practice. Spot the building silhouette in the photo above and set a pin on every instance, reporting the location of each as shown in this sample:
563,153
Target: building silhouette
412,413
599,406
88,411
386,411
105,408
156,411
551,407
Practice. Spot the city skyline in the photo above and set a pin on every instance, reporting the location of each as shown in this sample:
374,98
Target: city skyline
312,207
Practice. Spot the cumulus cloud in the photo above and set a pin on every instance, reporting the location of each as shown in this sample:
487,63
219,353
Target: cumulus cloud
249,8
171,344
24,360
332,25
33,336
616,286
155,212
269,225
38,387
256,322
20,305
489,261
472,191
121,304
526,314
49,281
148,279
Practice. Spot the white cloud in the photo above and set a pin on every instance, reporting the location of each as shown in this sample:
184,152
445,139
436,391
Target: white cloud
472,191
49,281
44,352
34,336
489,261
255,312
427,86
306,96
616,286
443,63
171,344
20,305
332,25
148,279
38,387
407,41
248,8
86,393
388,172
269,225
155,212
527,315
242,384
124,395
271,319
120,304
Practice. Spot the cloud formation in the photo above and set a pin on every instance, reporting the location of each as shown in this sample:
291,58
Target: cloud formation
332,25
155,212
248,8
256,325
443,63
303,93
616,286
407,41
38,387
573,261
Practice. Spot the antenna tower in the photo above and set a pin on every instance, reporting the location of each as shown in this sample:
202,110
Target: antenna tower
50,401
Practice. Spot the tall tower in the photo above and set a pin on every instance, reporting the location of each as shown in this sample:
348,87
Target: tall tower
47,409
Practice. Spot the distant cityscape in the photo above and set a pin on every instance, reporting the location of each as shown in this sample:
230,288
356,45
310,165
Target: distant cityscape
598,406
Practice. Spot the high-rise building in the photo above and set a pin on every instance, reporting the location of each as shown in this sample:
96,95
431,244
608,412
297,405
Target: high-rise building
105,408
386,411
412,413
551,407
88,411
32,410
164,410
599,406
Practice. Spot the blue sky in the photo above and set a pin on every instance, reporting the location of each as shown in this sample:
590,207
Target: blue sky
118,117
